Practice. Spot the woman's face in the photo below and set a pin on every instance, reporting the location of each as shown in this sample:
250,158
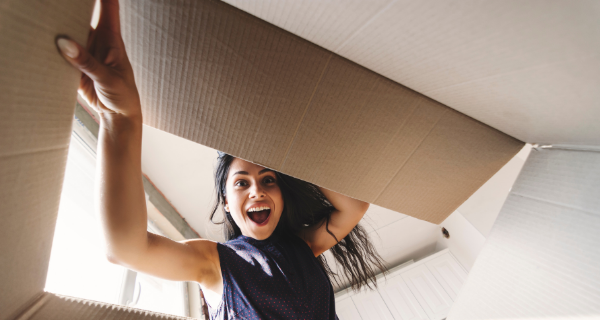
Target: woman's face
253,198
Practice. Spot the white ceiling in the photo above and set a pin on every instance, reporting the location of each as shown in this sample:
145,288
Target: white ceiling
528,68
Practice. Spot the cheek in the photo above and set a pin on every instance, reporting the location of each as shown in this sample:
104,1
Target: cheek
278,199
233,200
235,209
235,204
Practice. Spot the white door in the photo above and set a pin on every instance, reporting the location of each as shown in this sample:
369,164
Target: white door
401,302
370,305
448,273
428,291
346,310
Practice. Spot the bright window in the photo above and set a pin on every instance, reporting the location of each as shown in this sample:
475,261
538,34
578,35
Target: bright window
78,266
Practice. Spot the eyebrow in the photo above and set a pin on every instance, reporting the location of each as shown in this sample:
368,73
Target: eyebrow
259,173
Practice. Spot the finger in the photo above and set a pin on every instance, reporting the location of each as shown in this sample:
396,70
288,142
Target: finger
91,40
82,60
87,91
109,16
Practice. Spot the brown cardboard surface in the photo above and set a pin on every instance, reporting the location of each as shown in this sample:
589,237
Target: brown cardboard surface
529,69
37,99
541,258
58,307
216,75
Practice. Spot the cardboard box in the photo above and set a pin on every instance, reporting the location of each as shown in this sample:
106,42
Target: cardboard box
221,77
542,256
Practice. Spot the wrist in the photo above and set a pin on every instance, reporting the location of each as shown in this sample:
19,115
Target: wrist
118,122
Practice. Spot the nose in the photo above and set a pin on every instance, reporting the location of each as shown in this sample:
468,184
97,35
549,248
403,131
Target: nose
256,191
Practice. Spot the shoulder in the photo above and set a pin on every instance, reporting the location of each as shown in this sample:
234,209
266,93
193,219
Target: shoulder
209,268
236,251
218,251
206,248
208,265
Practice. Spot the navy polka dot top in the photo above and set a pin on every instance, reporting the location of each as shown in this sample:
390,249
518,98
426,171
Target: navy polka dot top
275,278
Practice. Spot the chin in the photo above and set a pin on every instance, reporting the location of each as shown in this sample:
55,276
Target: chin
261,233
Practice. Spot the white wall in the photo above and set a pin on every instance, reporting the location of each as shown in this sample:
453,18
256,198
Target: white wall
465,242
397,237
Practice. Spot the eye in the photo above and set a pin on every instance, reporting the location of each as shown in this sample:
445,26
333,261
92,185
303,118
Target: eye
240,183
269,179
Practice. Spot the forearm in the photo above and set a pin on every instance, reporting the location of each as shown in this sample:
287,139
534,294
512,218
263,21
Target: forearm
122,207
120,192
344,203
348,213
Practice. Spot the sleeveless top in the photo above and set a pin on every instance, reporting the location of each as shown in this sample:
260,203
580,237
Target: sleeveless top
274,278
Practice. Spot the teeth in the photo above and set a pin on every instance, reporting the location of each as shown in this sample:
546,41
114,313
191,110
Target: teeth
258,209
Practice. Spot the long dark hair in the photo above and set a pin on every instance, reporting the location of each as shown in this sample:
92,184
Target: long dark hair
305,206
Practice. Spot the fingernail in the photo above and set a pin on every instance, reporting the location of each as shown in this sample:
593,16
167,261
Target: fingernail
68,47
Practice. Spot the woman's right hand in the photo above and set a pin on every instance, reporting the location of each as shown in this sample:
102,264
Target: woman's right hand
107,81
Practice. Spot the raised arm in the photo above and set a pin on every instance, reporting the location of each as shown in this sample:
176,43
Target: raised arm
348,213
109,87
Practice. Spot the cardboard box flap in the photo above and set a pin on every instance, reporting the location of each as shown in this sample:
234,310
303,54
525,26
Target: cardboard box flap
58,307
216,75
541,258
241,86
38,91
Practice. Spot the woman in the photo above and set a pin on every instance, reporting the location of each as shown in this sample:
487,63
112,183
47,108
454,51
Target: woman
276,225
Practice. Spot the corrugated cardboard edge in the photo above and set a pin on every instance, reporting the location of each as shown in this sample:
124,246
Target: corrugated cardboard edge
34,307
50,306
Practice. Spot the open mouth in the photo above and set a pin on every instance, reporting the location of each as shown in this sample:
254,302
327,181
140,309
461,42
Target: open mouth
260,217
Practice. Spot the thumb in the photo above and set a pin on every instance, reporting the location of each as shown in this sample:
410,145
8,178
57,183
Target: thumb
82,60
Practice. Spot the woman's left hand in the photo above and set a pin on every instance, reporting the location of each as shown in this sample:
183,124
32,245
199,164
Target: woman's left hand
107,82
